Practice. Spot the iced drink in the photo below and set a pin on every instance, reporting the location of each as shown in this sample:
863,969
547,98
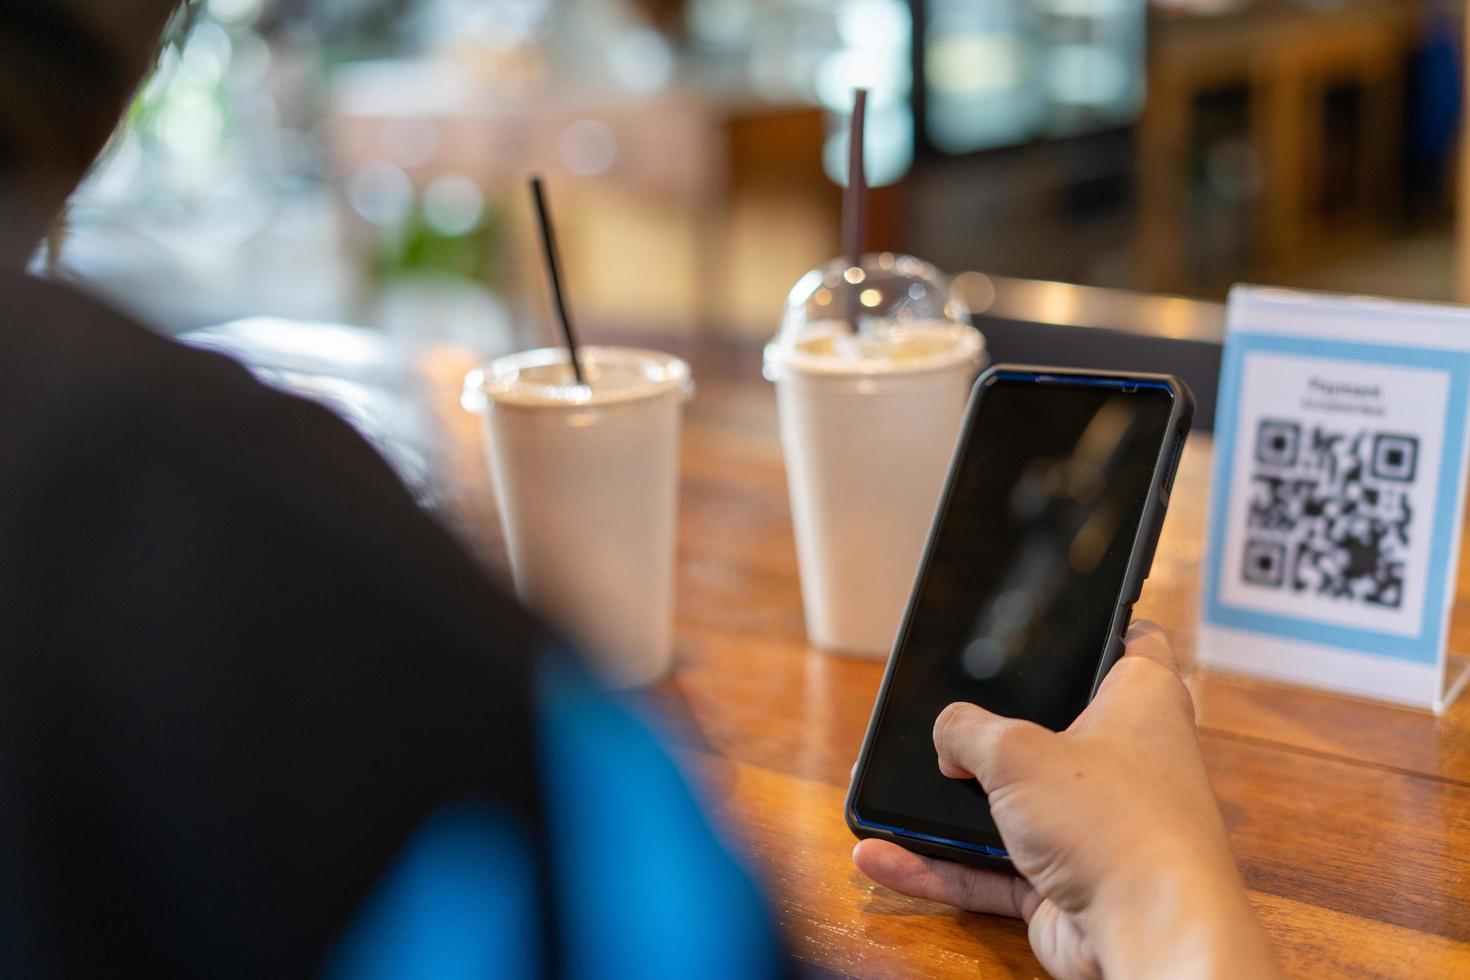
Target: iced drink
868,422
586,479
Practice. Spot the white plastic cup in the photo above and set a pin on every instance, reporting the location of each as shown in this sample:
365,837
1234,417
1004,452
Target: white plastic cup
867,444
587,482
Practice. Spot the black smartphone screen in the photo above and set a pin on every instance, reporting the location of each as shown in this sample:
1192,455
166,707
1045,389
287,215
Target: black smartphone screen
1026,565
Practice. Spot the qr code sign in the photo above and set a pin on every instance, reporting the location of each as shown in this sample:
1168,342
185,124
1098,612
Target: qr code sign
1330,512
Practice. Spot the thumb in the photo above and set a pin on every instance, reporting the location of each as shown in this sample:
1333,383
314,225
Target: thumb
1147,639
975,744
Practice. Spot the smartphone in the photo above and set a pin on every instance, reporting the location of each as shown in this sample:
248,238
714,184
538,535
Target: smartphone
1044,534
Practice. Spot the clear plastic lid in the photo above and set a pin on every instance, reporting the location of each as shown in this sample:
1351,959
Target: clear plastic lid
894,313
543,378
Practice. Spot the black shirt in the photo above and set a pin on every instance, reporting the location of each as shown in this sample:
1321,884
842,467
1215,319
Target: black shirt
237,663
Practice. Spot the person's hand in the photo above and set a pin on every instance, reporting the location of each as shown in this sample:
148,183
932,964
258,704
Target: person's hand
1124,865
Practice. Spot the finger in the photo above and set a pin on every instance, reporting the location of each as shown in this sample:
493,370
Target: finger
973,743
972,889
1136,682
1148,640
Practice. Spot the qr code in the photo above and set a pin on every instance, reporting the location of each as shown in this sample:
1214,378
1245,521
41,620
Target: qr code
1330,512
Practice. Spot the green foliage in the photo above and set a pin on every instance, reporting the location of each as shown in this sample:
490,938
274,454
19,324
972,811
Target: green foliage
418,248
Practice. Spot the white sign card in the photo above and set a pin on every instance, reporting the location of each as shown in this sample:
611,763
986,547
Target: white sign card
1337,496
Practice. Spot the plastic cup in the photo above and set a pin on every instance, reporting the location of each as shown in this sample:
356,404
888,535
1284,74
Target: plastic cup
868,425
586,478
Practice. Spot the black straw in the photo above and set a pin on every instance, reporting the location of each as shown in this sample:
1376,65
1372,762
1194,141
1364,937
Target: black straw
553,273
855,201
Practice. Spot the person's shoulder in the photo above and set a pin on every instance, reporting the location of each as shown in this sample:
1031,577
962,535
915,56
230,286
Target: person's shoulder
88,376
91,398
88,394
57,322
70,364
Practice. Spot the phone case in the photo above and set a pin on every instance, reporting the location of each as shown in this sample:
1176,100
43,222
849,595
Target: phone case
1144,546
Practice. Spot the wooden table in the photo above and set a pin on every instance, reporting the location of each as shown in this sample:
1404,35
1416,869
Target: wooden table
1351,820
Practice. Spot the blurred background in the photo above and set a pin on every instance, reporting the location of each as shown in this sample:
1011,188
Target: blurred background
364,161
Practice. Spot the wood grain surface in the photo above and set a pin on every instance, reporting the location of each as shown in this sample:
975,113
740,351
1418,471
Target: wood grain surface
1350,820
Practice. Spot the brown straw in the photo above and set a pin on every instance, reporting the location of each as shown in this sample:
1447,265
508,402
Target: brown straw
553,273
855,201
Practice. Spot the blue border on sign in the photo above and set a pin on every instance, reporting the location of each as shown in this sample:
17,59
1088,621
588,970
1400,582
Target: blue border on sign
1423,648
